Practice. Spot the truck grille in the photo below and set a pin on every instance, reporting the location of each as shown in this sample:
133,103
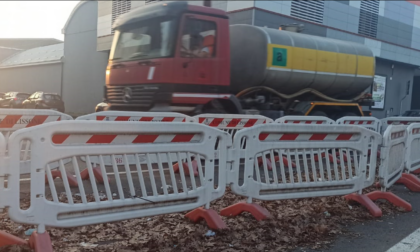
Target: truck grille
133,96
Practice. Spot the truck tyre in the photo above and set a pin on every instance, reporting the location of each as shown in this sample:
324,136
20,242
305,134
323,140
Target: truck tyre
318,113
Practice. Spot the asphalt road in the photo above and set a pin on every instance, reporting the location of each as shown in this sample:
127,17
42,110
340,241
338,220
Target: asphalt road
381,234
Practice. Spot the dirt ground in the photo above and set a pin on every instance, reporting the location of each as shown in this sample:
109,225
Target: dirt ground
303,223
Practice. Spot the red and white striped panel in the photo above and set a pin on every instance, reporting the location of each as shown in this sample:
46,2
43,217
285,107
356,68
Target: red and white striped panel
141,118
81,139
400,122
396,135
305,122
220,122
358,122
308,137
416,131
15,122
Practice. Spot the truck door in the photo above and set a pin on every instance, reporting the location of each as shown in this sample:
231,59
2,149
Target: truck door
197,55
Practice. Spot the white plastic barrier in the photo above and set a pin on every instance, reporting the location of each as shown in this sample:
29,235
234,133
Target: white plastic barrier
15,119
121,116
367,122
137,116
305,120
398,121
412,158
303,145
130,191
393,154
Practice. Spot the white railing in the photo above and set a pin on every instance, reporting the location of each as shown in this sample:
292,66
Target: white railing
303,145
398,120
129,191
371,123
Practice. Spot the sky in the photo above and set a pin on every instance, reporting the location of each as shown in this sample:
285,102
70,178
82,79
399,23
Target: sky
34,19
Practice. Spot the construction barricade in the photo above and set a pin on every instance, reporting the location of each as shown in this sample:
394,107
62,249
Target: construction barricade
306,173
398,121
393,154
305,120
130,191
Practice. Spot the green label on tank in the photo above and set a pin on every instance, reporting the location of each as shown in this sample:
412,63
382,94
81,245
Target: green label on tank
279,57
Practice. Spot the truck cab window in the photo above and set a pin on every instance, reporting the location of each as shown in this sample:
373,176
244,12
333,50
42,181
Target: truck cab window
198,39
151,39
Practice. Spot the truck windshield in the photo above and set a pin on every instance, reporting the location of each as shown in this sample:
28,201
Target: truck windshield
149,39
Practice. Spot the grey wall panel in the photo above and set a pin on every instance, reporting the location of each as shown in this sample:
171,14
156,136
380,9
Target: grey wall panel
241,17
84,67
392,10
32,78
343,2
271,20
395,88
406,12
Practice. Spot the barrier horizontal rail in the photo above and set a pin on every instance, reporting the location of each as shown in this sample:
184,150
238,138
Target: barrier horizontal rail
130,191
313,175
122,116
368,122
398,120
305,120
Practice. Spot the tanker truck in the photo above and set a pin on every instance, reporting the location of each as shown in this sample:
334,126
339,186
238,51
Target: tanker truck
185,58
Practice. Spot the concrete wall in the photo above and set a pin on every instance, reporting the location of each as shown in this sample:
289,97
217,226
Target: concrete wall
396,86
30,79
84,67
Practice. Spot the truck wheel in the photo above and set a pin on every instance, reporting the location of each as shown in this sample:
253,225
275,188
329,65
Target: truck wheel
318,113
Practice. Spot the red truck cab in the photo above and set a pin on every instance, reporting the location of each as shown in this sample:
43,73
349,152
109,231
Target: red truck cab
170,57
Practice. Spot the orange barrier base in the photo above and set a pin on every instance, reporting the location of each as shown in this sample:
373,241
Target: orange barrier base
186,169
7,239
211,217
392,198
57,174
96,172
259,212
365,201
410,181
40,242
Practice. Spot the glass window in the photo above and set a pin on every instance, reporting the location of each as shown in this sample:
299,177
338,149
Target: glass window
51,97
198,38
150,39
22,95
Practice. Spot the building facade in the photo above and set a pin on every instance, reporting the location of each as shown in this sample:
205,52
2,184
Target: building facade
391,29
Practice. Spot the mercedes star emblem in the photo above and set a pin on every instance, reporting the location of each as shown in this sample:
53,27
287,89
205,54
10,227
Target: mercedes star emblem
127,94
